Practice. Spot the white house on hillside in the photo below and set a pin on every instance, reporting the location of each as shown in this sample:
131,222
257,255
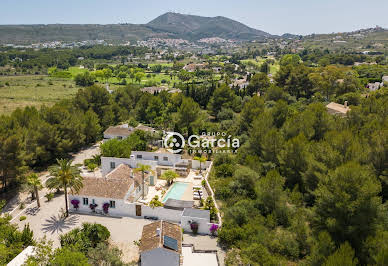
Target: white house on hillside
118,132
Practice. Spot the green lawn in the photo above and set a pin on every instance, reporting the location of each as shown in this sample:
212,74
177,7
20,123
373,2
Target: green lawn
259,61
76,70
33,90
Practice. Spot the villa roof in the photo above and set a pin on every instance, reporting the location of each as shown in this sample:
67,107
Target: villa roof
190,212
151,240
178,204
154,89
336,108
145,128
119,131
115,185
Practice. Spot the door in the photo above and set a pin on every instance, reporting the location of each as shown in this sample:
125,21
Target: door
138,210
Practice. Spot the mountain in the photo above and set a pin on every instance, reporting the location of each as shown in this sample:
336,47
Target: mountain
197,27
169,25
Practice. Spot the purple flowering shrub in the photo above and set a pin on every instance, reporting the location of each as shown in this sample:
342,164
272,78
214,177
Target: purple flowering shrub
105,207
213,229
75,203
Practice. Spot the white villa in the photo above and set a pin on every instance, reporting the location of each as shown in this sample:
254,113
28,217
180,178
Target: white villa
157,161
120,191
118,132
116,188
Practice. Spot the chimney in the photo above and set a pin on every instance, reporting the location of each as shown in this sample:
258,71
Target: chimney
346,104
158,231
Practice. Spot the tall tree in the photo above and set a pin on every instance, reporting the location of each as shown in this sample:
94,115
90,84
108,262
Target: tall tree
66,176
34,181
143,169
347,205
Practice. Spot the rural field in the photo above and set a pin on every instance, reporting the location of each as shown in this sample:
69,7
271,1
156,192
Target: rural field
35,90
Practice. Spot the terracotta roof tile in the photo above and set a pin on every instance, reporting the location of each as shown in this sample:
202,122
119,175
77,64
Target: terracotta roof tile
119,131
150,240
114,185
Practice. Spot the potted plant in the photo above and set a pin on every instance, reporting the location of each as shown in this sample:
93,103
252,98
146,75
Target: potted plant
105,208
213,229
93,207
194,227
75,204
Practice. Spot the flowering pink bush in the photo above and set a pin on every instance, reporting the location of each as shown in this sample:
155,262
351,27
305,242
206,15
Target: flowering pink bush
194,227
75,203
105,207
213,229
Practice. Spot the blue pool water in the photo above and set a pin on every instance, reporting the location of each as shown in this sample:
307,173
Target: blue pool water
176,191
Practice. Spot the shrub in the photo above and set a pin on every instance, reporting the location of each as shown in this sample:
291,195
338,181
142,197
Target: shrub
155,202
213,229
105,207
75,203
194,227
22,218
93,206
49,196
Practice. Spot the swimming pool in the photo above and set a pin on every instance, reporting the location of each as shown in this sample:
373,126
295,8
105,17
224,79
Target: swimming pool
176,192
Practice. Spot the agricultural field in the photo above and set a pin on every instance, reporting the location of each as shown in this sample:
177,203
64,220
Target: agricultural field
33,90
256,63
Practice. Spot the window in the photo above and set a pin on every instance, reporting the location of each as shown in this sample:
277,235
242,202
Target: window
165,158
156,158
119,137
139,156
112,204
86,201
93,201
112,165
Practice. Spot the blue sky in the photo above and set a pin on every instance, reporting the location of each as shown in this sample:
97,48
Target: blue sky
273,16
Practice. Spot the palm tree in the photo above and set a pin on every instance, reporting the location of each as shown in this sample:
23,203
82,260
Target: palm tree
143,169
201,160
170,176
33,181
65,176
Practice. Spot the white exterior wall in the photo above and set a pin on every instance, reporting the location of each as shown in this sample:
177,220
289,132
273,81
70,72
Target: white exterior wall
203,224
133,163
122,208
126,209
159,257
204,166
162,213
172,158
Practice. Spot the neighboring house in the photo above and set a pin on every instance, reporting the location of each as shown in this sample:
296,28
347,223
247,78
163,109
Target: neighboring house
153,90
118,132
374,86
240,83
175,91
338,109
156,160
22,257
122,185
385,80
146,128
161,244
